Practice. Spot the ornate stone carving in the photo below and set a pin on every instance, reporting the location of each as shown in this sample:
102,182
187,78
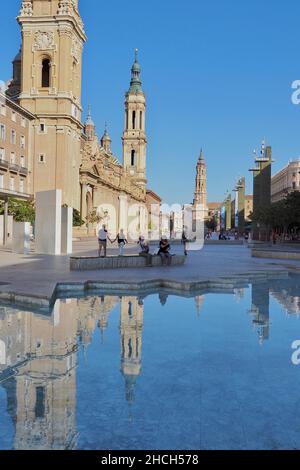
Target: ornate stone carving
76,49
65,7
26,8
44,40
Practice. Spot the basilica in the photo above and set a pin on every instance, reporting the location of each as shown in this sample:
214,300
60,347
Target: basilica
58,149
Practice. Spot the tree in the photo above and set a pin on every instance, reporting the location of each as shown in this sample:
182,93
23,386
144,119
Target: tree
77,220
281,216
22,211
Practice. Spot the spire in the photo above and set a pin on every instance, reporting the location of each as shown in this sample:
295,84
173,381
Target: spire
106,140
89,121
201,157
136,83
89,125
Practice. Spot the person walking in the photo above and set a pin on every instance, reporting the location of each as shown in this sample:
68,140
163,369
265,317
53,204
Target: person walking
184,241
121,238
102,239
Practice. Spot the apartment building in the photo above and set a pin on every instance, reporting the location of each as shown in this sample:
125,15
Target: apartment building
15,151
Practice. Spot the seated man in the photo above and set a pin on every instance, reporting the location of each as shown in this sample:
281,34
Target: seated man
145,251
164,251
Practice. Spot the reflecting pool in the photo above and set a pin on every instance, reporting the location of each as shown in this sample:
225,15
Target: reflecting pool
154,371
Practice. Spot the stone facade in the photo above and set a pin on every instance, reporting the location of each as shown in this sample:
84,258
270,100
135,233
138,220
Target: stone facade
261,189
200,195
66,154
47,82
15,150
286,181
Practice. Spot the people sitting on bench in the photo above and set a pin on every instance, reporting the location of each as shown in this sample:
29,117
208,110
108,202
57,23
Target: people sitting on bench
164,251
144,245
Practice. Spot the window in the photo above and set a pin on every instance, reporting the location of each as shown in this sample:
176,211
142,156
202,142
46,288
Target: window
21,186
3,110
13,137
74,111
2,154
13,116
1,181
13,158
40,402
294,185
46,73
133,119
132,157
2,132
22,141
23,122
12,183
41,158
22,162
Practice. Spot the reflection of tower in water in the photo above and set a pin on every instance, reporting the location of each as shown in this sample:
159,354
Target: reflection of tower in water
131,327
199,300
260,309
41,377
38,369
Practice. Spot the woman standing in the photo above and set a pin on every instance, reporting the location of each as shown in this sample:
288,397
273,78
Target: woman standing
121,242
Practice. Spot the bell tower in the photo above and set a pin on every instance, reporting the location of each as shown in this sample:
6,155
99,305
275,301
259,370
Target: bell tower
51,67
200,187
134,136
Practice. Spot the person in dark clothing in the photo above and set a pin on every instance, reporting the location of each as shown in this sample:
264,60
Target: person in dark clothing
164,251
184,241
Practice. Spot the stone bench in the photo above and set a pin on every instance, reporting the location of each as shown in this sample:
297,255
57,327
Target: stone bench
85,263
276,254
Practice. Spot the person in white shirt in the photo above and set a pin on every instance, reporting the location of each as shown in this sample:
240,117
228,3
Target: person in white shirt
102,239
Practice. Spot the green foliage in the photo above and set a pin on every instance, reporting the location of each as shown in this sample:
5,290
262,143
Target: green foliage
77,220
212,224
22,211
93,217
282,215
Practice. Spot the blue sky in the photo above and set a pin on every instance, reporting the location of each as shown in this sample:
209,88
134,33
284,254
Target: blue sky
217,75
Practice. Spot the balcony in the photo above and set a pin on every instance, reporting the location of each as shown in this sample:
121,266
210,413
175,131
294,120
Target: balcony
23,171
14,168
5,193
4,164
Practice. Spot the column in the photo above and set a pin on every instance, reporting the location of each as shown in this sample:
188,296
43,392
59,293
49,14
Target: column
5,222
66,230
21,238
48,222
123,213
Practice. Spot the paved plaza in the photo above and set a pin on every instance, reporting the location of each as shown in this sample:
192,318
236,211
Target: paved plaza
37,277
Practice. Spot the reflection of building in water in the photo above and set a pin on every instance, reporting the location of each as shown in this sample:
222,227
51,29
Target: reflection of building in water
131,327
199,300
260,309
38,358
163,298
239,294
287,295
92,311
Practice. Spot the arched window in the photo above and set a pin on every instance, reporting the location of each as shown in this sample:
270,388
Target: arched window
133,119
132,157
46,73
